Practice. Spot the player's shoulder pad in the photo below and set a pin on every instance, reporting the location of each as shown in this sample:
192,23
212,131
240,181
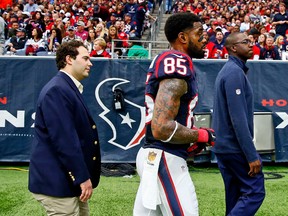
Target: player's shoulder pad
173,64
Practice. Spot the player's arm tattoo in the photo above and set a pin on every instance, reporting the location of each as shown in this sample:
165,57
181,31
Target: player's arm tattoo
166,108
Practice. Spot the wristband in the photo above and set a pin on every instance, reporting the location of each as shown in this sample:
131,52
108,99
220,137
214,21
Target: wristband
203,136
175,129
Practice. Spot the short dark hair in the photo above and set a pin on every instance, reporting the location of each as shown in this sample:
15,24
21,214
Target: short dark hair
65,49
179,22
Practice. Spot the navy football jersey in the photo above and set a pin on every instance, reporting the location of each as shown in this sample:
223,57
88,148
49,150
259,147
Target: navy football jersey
285,46
171,64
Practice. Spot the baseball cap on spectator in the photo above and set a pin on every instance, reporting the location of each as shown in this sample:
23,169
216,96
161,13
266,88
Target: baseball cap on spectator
128,14
96,8
21,30
71,28
80,23
272,31
26,13
67,14
65,19
215,23
38,9
62,12
113,14
218,28
81,10
141,1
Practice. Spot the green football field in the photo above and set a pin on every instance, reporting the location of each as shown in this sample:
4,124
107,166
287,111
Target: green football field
115,195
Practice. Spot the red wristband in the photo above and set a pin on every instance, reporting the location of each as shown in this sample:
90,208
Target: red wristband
202,136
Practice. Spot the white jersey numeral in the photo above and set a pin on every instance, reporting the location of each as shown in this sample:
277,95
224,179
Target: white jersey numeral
171,65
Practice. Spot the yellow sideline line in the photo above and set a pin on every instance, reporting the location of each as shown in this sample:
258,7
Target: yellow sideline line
14,168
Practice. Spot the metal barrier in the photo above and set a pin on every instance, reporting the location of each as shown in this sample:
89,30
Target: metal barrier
151,46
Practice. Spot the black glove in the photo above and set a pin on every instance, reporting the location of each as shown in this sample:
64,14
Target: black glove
196,148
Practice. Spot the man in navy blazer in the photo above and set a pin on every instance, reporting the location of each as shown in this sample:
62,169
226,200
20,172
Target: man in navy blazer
65,163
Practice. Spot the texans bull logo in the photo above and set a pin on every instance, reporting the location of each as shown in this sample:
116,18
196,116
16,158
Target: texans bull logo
127,125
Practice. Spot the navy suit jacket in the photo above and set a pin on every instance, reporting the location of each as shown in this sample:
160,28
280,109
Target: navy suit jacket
66,148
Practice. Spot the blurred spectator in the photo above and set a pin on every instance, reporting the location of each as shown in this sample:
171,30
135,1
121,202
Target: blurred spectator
21,19
36,43
93,22
272,33
279,44
263,30
281,20
229,29
119,12
55,40
39,20
89,42
140,16
255,33
71,35
131,8
113,35
216,49
47,22
245,25
112,21
99,49
30,6
13,29
212,30
17,43
269,52
236,28
261,40
255,15
130,26
168,6
2,35
100,30
136,50
285,42
256,49
81,32
101,11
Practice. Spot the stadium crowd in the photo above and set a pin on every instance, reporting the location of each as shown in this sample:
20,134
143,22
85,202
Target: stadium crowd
33,27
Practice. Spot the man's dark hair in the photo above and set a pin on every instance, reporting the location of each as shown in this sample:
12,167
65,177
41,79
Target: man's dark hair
179,22
67,48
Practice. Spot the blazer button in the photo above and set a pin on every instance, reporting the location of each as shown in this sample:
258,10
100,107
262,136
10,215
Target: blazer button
96,142
94,158
94,127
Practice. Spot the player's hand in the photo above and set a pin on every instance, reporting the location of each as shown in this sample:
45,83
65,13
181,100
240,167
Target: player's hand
206,135
255,168
86,190
196,148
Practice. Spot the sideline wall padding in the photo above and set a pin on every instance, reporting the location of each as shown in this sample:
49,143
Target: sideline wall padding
122,131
